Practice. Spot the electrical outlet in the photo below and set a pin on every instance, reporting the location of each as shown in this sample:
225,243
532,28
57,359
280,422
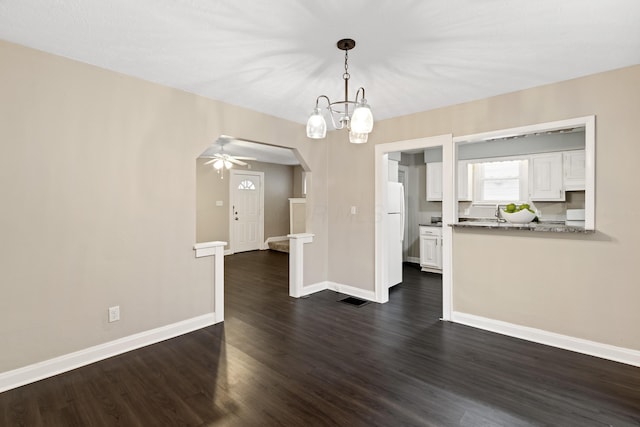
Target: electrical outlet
114,313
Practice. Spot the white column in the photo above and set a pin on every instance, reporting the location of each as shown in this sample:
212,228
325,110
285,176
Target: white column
215,249
296,262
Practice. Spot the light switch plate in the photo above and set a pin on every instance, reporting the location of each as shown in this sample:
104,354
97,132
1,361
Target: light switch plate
219,203
114,313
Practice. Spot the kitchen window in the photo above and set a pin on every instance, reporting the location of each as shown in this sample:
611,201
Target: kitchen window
502,181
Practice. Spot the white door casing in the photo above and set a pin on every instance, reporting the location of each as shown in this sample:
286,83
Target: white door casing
246,215
448,213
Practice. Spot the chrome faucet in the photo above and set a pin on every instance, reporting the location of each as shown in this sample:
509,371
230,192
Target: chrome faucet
497,214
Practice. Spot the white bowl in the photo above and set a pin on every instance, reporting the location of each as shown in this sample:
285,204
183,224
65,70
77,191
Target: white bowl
520,217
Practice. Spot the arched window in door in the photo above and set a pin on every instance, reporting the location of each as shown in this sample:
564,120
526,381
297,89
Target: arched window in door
246,185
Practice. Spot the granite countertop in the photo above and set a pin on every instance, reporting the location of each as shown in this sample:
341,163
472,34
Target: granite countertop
552,227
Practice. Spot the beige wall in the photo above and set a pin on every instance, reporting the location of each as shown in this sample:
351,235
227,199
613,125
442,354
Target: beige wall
98,190
579,285
98,185
212,222
298,181
298,218
350,183
278,188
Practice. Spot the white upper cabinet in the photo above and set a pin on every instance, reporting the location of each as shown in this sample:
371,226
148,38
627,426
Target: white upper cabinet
546,177
434,182
574,170
393,171
465,180
549,176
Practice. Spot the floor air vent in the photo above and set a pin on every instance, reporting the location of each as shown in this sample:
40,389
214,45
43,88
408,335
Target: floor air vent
354,301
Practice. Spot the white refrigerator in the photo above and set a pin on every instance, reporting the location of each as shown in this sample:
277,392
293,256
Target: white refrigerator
395,232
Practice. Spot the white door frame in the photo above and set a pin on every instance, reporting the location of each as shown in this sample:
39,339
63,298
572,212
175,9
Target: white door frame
233,172
448,213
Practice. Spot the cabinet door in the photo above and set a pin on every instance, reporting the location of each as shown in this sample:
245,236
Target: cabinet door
434,182
464,181
430,251
545,177
393,171
574,170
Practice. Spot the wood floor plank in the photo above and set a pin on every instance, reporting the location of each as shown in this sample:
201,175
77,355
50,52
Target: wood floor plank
279,361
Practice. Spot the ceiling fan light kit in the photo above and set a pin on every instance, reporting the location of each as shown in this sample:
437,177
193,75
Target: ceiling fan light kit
221,160
355,116
220,163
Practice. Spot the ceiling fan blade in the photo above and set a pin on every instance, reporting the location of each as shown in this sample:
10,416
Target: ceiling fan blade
235,161
210,161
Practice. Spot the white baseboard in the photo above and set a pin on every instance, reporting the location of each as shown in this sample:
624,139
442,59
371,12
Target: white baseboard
351,291
48,368
413,260
431,270
316,287
265,245
338,287
228,252
592,348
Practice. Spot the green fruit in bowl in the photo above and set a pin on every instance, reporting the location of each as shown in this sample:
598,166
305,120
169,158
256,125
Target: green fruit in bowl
524,206
510,208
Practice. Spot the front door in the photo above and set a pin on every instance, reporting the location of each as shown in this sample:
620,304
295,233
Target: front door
247,210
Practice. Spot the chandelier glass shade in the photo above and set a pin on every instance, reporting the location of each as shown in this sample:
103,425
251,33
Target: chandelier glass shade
355,116
316,125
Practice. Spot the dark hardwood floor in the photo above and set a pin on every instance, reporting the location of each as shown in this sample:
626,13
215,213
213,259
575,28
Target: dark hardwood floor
319,362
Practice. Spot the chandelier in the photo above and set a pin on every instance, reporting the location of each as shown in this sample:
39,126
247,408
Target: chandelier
355,116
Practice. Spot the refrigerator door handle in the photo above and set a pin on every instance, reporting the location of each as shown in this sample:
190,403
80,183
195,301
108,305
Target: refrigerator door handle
402,213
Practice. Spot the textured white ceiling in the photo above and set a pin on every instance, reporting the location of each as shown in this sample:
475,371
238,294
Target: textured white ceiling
277,56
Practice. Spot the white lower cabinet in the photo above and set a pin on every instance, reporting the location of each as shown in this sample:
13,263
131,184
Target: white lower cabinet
431,249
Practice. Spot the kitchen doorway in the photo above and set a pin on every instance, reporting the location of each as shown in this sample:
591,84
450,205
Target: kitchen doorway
448,213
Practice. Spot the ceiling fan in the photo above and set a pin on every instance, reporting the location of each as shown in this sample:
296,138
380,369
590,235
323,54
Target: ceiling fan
222,160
